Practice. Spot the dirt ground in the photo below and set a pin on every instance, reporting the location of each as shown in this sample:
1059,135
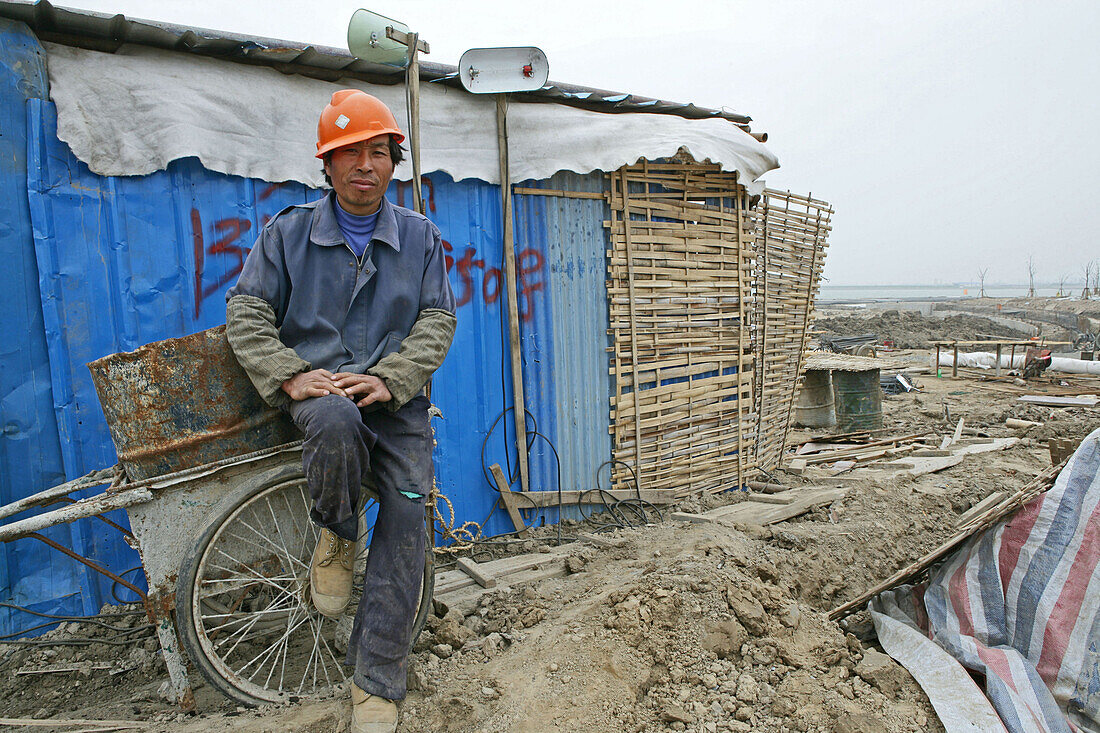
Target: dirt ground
687,627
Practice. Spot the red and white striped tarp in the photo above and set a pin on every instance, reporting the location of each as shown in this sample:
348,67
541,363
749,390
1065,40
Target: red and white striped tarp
1019,606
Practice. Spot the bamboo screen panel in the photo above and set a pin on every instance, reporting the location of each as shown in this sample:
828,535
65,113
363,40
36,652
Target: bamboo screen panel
790,257
680,301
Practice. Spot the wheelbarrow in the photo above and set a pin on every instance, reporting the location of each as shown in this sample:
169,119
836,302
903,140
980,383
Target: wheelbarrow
211,479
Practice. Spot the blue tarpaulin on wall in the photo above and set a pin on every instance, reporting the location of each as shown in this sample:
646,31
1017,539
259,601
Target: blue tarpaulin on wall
129,260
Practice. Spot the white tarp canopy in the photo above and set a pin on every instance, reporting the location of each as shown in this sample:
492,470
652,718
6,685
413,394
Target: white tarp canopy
132,112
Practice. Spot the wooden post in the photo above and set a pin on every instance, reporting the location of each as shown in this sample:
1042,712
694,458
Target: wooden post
955,360
998,371
508,500
633,331
937,364
741,328
1012,357
519,412
412,86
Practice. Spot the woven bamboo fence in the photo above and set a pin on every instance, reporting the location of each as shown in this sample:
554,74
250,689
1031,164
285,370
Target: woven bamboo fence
705,333
790,257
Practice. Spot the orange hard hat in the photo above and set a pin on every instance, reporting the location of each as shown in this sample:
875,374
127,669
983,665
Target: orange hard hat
351,117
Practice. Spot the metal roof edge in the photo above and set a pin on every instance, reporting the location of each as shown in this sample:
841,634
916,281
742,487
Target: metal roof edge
103,32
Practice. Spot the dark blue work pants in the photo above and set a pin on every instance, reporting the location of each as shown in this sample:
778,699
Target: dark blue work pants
343,446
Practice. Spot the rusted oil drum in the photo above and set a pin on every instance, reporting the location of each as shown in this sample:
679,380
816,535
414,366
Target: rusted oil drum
813,407
183,402
858,398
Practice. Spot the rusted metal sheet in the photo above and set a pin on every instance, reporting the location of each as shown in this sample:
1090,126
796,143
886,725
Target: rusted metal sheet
183,402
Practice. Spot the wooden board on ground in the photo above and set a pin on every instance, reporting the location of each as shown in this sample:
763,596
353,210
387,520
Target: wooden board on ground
762,514
466,599
993,499
600,540
1055,401
502,570
477,572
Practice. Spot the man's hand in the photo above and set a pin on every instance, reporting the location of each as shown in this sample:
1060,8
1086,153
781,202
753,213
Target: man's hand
318,383
371,388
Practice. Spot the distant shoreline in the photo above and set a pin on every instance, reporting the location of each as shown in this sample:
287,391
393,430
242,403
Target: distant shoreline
856,294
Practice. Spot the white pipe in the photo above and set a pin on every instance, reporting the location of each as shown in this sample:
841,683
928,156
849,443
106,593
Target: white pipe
987,360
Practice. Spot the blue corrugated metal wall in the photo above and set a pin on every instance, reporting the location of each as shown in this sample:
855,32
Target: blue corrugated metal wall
129,260
31,574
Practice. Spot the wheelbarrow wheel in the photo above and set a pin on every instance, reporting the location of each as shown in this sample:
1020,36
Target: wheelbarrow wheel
242,598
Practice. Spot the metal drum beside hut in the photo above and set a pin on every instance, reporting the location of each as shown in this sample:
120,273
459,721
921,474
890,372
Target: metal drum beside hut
183,402
813,407
858,397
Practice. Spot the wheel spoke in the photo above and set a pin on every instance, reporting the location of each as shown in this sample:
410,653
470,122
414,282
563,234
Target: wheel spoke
336,664
265,654
285,553
259,576
309,662
282,540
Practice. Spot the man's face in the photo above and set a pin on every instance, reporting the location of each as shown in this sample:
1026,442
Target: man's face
360,173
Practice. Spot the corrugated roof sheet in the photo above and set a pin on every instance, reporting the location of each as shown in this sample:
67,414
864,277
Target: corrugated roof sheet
104,32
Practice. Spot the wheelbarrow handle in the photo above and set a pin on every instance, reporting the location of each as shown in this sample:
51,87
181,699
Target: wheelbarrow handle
89,507
95,478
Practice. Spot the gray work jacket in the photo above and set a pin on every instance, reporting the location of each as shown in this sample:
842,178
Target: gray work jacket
336,311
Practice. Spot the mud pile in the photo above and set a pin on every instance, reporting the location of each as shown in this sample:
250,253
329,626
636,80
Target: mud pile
911,330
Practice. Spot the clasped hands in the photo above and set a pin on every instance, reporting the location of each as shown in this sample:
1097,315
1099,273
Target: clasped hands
364,388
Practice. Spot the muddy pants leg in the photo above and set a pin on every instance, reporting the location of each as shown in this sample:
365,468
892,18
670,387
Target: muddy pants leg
401,462
335,458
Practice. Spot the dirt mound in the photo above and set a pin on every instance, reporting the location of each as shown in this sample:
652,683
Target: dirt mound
911,330
684,628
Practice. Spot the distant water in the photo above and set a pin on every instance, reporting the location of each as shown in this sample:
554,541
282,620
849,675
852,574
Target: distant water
858,293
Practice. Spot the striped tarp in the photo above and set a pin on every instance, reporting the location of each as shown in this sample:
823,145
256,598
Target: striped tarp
1019,605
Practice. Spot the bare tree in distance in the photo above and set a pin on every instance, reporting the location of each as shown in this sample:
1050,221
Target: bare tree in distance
1062,287
1088,272
1096,277
1031,276
981,281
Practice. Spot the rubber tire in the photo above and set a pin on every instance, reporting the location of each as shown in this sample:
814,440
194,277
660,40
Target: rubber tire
189,568
866,350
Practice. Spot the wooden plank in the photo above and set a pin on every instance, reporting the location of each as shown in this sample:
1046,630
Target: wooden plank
102,725
557,193
981,506
65,668
690,517
600,540
633,332
1055,401
466,599
519,412
477,572
783,498
449,581
508,500
763,515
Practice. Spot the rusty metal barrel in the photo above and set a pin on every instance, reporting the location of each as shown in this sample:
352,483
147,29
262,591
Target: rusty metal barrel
813,406
183,402
858,398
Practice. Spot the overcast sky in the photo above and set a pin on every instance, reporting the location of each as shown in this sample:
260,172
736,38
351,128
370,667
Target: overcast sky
949,136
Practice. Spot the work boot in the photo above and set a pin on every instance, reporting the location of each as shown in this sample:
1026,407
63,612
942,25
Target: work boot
372,714
330,573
